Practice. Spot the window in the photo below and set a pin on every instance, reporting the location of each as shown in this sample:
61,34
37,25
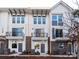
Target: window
17,32
39,19
14,45
35,19
60,20
22,19
61,45
18,19
39,32
13,19
57,33
54,20
57,20
44,20
53,33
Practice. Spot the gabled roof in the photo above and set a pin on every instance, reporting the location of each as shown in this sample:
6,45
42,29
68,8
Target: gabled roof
64,4
42,8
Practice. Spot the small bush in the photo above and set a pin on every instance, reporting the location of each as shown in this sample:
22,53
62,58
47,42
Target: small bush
37,53
13,52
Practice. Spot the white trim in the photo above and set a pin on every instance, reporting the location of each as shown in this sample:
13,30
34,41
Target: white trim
63,4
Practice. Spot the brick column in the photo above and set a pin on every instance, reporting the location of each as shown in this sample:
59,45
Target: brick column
48,45
28,43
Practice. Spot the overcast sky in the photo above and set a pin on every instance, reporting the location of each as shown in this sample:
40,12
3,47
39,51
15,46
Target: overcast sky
33,3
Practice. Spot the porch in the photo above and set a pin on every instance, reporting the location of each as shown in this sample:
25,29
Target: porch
61,47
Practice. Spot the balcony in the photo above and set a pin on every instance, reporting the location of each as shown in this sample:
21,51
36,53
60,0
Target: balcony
60,51
39,36
62,48
10,36
62,37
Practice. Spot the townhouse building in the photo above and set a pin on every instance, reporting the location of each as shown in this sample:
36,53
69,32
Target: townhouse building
41,29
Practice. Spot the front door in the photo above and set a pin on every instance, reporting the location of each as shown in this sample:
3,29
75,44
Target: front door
1,48
42,48
19,47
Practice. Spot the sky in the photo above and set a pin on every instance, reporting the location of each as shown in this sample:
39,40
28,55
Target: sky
33,3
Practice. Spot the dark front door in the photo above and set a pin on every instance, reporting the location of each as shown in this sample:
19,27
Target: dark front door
19,47
42,48
1,48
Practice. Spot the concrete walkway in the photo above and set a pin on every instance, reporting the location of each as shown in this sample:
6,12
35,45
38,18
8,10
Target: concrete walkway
41,55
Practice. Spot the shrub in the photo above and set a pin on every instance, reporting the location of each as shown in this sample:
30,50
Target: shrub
37,53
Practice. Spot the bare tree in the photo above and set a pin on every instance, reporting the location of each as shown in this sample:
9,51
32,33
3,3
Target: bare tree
76,2
73,26
73,31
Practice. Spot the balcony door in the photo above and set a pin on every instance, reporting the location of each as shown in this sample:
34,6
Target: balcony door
1,47
17,31
39,32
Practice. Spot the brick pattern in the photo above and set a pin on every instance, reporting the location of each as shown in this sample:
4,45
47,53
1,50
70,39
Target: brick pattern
28,42
48,45
65,50
35,57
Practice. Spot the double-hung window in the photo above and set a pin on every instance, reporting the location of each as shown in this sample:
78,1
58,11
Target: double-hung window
54,20
57,33
57,20
39,19
60,20
44,19
13,19
18,19
35,19
22,19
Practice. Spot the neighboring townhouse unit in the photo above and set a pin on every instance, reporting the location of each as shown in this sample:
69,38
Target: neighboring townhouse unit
40,29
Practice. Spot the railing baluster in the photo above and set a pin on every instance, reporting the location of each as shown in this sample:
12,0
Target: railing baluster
39,35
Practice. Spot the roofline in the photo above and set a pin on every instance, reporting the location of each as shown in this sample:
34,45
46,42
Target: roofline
61,2
39,8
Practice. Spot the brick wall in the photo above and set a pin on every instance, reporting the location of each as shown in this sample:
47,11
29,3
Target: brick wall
35,57
28,42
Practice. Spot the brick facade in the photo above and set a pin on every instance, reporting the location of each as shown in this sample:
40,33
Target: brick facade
35,57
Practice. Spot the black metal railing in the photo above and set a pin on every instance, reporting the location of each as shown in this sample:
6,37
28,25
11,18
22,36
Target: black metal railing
39,34
14,34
